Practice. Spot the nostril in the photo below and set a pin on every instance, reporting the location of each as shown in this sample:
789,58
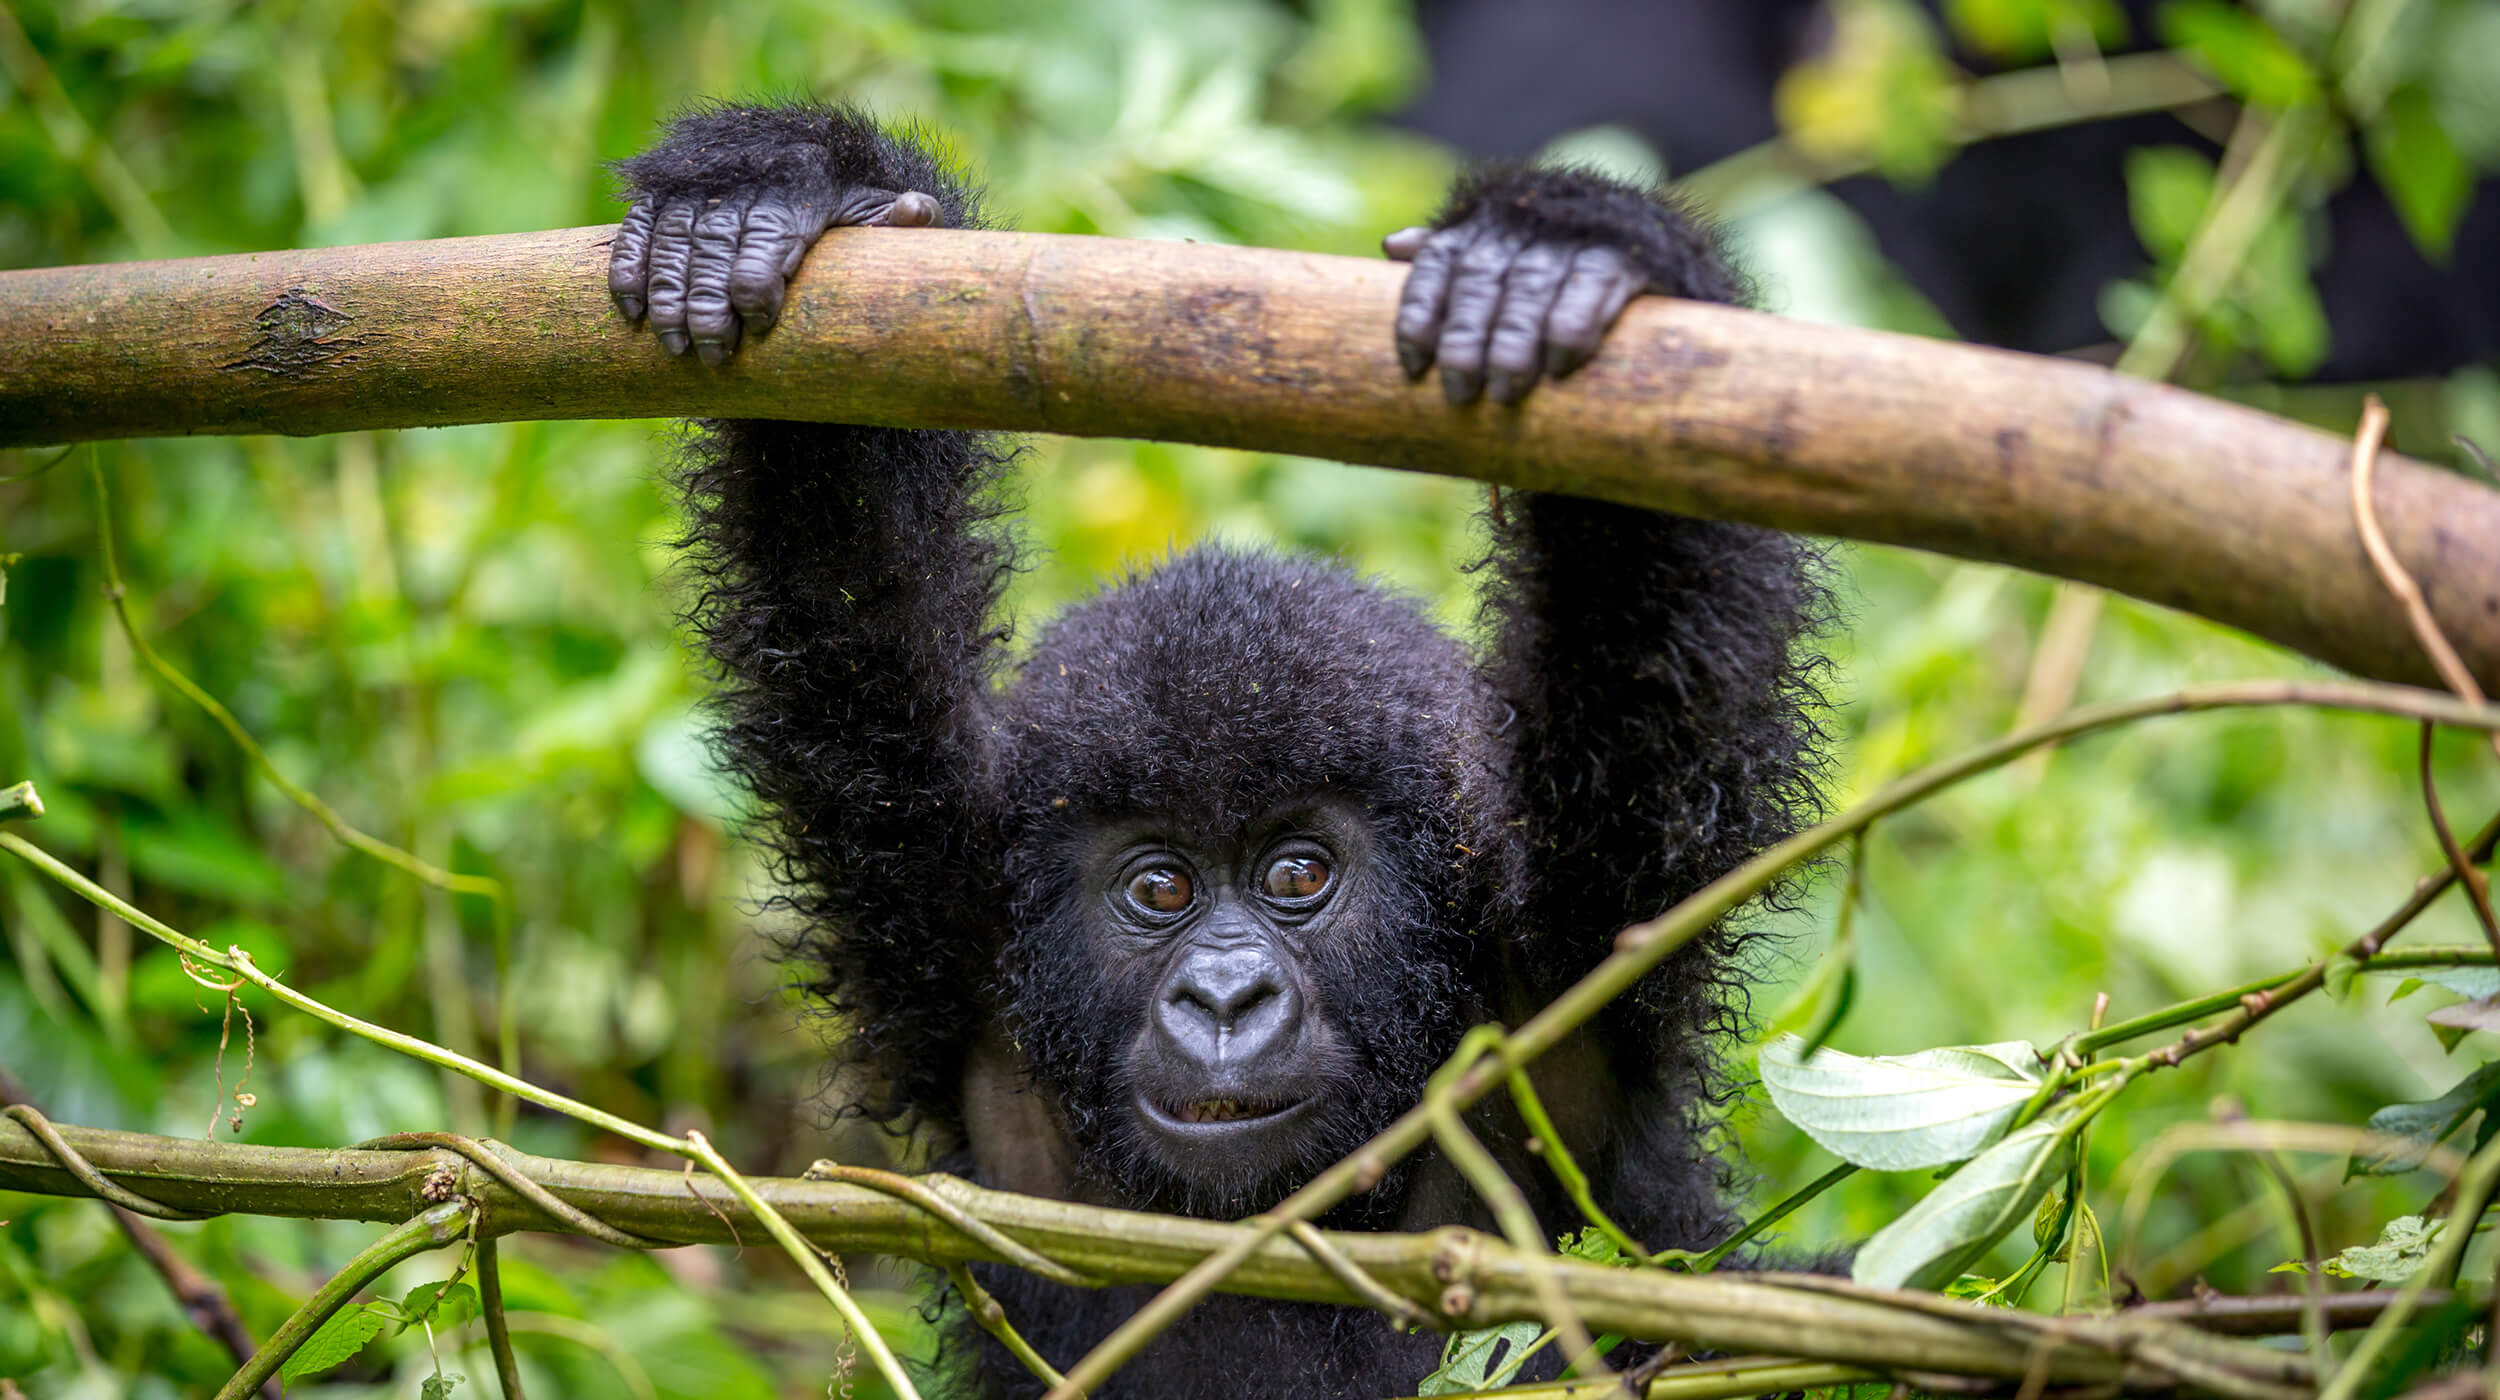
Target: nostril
1227,1003
1227,984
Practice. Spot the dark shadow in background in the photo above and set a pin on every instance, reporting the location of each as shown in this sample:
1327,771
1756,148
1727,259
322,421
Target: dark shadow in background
2012,241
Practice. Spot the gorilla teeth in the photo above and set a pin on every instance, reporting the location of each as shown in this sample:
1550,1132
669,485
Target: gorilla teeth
1222,1111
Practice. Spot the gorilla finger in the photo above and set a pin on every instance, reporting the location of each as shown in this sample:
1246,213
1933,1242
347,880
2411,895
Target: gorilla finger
868,206
1601,281
775,237
1515,350
1475,295
1402,245
912,209
711,321
1421,302
629,260
672,251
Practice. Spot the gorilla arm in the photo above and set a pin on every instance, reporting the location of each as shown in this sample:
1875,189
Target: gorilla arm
1663,722
846,580
1664,728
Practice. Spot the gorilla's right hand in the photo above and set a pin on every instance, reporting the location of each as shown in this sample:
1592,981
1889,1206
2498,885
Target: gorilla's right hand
703,268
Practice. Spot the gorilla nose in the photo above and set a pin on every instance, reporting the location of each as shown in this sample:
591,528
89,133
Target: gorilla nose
1225,1007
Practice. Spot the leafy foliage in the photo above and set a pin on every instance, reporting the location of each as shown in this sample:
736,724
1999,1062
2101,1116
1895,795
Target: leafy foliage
462,639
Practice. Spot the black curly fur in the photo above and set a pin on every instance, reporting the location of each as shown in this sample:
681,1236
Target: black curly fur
1642,723
1665,238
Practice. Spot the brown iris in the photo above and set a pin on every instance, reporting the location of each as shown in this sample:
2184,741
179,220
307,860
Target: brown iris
1162,889
1297,877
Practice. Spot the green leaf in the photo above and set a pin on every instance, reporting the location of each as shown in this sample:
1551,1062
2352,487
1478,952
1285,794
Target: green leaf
1469,1357
1953,1226
438,1386
438,1305
2242,52
2480,1014
2425,176
1594,1246
344,1335
2473,982
2425,1124
1974,1286
2030,31
2403,1246
2168,188
1901,1112
2342,970
2274,305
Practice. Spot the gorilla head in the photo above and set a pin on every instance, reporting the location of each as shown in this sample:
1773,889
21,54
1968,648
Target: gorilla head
1253,824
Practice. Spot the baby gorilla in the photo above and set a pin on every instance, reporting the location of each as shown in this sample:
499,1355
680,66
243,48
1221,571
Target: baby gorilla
1191,903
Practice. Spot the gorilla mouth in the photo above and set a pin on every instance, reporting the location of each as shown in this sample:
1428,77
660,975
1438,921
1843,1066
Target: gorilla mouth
1228,1110
1219,1111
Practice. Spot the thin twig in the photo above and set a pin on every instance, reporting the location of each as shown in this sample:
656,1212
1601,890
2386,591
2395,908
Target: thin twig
498,1330
991,1317
482,1156
201,1299
2443,653
2313,1326
1717,1254
235,959
1509,1205
2255,1006
27,1116
2256,173
433,1228
2400,581
1546,1141
1352,1275
2473,1193
482,886
1731,1379
904,1188
1642,946
811,1262
1999,105
2477,888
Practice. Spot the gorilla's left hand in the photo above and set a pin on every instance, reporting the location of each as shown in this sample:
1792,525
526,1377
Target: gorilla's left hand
1498,308
704,269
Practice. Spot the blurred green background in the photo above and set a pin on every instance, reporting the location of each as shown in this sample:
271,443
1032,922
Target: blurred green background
464,640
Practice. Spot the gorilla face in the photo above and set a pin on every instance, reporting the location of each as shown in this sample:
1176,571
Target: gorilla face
1201,1007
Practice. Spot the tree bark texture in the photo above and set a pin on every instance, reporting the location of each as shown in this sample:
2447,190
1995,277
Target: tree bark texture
2052,465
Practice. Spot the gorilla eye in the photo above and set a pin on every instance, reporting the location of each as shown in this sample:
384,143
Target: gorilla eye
1297,877
1163,890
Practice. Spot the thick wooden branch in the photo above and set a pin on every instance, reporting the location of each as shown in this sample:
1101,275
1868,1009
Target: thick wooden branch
1459,1276
2047,464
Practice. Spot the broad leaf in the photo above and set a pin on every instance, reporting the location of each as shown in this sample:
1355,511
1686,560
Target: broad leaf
2482,1014
2469,981
2401,1250
344,1335
1901,1112
2425,177
438,1305
2423,1125
1932,1243
2241,50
